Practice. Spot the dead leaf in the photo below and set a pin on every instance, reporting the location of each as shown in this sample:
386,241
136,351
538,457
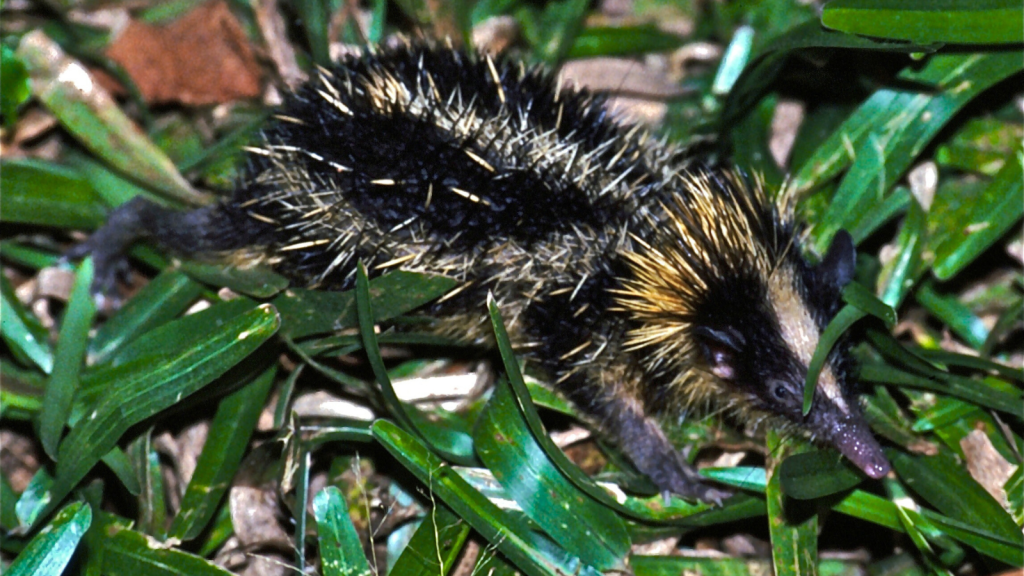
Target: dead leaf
789,115
637,91
200,59
988,467
274,30
253,501
495,34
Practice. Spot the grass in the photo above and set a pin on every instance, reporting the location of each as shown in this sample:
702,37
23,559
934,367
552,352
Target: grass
910,139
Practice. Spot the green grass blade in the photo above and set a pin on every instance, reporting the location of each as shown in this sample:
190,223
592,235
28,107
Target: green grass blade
891,348
341,552
751,478
749,139
509,535
14,85
22,331
38,192
972,362
49,551
230,431
379,14
892,205
816,474
552,30
518,462
299,453
954,314
21,396
143,388
1007,550
857,295
121,466
151,500
358,433
993,213
829,336
347,382
981,146
1014,489
914,530
107,184
95,540
897,276
177,334
944,412
965,388
727,566
8,498
532,419
924,21
68,360
258,281
454,442
28,256
435,546
767,62
623,40
734,60
316,21
946,485
284,397
164,298
132,553
889,147
793,528
887,419
33,499
871,508
308,312
684,514
221,529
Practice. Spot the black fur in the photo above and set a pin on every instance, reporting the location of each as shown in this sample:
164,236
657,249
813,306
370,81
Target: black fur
519,200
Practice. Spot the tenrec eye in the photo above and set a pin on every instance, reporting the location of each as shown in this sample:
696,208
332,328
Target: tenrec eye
780,392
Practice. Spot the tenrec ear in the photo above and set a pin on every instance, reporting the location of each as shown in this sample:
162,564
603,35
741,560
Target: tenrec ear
720,348
840,261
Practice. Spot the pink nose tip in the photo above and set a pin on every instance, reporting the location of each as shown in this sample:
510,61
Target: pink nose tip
877,467
854,440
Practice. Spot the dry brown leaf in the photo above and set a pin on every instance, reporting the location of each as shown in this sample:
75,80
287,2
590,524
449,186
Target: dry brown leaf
988,467
200,59
274,30
789,115
638,92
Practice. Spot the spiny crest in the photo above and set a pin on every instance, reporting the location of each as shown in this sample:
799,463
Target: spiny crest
724,225
716,228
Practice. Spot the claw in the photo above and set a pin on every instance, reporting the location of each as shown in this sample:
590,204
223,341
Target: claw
716,496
